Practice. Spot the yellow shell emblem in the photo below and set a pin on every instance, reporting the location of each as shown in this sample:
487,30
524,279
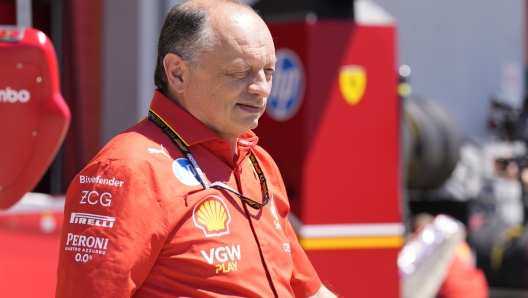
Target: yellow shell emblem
212,216
352,82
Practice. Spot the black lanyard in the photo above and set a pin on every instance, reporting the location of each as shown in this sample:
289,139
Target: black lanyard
180,143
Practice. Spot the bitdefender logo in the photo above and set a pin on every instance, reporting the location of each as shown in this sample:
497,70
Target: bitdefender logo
13,96
98,180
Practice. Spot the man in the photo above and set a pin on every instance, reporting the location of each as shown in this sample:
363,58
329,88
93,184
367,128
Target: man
185,203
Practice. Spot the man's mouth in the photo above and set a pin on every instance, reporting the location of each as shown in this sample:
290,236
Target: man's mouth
250,107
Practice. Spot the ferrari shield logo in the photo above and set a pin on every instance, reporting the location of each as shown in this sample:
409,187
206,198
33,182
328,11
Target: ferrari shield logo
352,82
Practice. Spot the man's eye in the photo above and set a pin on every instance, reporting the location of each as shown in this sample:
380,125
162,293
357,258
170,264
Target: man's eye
269,73
238,74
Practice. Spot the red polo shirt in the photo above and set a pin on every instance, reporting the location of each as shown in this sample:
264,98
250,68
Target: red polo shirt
139,223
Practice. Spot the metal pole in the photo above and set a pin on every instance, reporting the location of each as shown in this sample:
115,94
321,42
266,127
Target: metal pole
24,13
56,169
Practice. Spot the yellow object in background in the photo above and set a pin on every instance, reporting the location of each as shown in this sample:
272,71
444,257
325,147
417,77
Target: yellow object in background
352,82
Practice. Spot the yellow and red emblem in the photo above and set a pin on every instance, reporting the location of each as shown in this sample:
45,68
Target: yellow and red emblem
212,216
352,82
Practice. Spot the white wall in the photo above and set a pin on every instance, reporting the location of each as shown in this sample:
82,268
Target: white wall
457,49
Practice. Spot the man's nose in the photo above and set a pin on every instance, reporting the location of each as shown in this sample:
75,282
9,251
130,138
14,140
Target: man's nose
260,85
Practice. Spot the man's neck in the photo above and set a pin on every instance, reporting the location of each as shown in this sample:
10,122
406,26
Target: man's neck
233,141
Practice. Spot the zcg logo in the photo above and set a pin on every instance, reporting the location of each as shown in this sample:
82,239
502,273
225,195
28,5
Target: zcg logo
93,197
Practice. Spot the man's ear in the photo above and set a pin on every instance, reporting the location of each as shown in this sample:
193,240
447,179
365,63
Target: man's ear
174,68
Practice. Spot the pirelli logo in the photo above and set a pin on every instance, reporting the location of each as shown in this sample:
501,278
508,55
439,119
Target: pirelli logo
92,220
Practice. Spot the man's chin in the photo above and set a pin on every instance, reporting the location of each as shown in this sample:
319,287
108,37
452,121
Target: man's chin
243,125
254,125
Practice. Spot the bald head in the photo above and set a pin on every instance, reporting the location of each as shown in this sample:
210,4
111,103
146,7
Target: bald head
190,29
221,73
215,4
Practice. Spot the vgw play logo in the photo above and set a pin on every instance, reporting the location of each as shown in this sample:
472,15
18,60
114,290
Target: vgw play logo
13,96
287,90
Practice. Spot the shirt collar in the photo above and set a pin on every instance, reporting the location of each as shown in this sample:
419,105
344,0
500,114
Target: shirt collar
190,129
248,139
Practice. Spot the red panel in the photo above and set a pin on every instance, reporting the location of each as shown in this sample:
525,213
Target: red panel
358,273
353,158
332,152
28,256
295,37
340,162
16,152
33,115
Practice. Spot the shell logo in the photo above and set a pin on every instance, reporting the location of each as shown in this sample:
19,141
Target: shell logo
212,216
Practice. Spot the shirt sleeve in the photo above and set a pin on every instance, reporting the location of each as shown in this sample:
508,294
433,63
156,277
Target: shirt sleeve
304,280
113,231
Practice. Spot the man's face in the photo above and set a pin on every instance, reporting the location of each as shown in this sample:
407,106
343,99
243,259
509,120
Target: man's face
229,89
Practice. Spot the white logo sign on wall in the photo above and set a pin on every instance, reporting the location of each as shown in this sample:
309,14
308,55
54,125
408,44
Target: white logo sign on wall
184,172
288,84
12,96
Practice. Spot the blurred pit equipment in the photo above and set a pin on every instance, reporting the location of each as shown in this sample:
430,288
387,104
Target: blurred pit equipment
431,143
33,115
